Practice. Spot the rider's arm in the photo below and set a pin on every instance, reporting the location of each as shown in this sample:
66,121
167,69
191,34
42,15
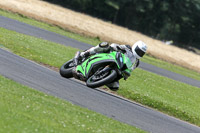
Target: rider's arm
137,62
117,47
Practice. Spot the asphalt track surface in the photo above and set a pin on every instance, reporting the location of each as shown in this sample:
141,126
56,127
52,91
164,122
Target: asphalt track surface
43,79
48,81
54,37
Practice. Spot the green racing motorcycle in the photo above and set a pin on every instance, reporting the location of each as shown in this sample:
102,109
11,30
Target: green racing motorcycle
100,69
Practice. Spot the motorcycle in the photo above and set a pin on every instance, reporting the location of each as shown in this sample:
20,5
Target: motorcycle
99,69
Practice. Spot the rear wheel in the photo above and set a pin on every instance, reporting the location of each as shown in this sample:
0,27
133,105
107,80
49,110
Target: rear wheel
102,77
66,69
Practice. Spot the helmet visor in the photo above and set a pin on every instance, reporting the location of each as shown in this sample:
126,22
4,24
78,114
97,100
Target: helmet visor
139,51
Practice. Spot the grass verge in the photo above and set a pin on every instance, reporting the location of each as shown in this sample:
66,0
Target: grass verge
164,94
175,98
95,41
36,49
26,110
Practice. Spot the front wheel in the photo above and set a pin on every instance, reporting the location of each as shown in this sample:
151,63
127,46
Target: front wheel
103,77
66,69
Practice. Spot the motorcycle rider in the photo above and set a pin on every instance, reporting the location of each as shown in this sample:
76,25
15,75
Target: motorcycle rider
134,53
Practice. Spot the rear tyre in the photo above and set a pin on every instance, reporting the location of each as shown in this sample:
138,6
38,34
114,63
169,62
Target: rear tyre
102,78
66,69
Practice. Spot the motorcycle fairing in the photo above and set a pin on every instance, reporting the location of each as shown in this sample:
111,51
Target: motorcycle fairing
99,59
103,59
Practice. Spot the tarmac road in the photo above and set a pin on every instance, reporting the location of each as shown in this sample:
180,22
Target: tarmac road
54,37
38,77
48,81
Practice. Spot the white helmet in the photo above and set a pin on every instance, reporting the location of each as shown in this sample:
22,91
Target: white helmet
139,49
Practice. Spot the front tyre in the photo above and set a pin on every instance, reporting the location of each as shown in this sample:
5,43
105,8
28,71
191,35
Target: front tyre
102,78
66,69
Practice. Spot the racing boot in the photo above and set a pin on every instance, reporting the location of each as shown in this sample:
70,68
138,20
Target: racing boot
77,58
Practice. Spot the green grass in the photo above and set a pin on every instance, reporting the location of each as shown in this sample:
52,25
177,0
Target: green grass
175,98
23,109
95,41
36,49
164,94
